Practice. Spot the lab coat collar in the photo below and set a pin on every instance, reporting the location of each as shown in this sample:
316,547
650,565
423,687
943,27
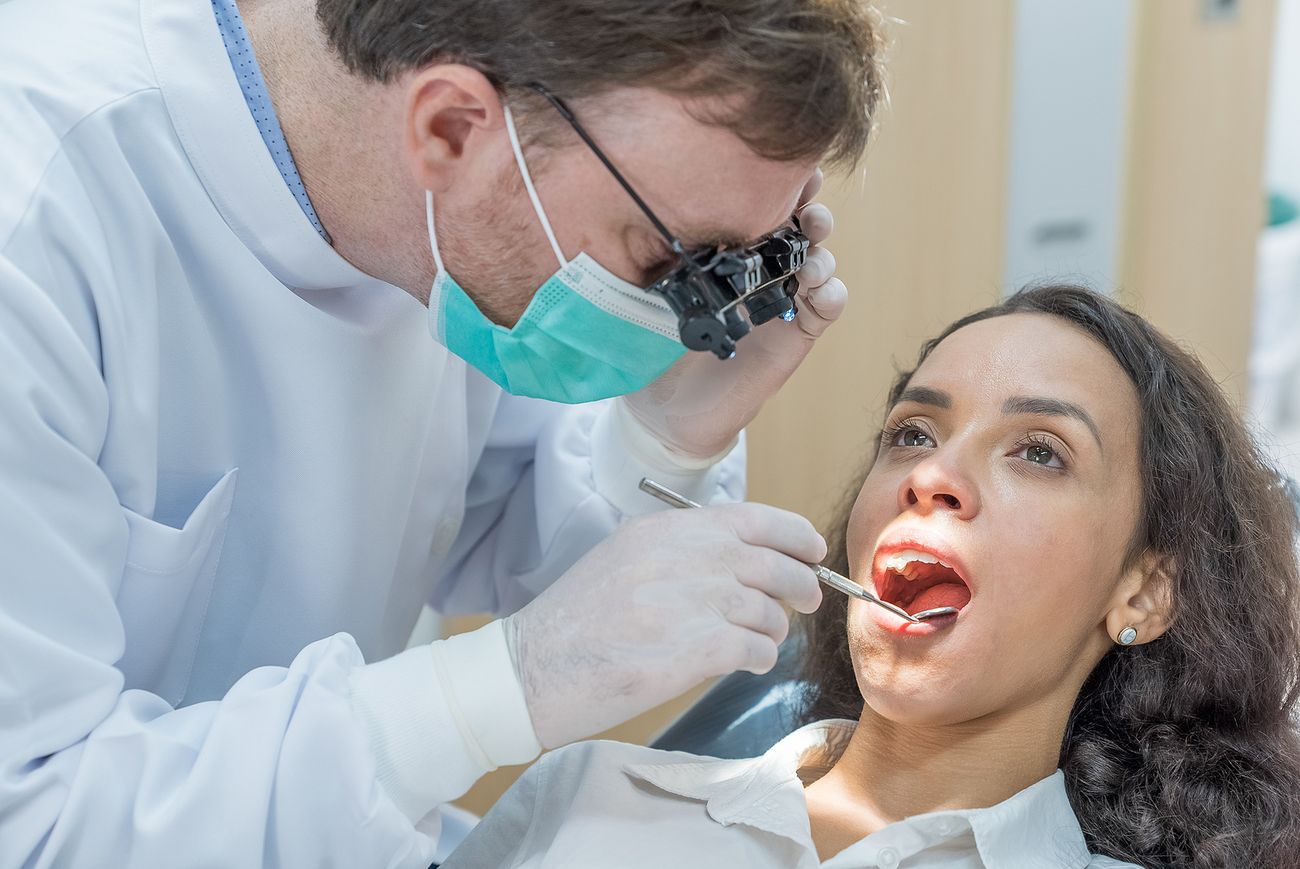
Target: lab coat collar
767,793
221,139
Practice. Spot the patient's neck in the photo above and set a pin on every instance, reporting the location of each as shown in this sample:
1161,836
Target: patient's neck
890,771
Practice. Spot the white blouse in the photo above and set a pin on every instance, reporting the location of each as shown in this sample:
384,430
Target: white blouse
611,804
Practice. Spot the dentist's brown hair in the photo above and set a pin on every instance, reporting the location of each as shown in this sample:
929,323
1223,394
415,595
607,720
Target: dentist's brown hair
1181,752
794,79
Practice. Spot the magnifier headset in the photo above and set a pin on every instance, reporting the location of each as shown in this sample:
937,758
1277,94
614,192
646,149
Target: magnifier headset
708,287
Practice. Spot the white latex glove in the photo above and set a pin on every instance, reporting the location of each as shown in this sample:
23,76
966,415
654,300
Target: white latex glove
700,405
665,602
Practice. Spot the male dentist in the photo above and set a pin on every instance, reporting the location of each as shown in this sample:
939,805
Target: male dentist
311,313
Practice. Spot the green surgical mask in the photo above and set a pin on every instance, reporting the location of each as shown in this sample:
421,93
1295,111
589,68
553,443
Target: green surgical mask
586,335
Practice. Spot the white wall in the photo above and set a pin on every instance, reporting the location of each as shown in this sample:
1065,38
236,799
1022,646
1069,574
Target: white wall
1070,84
1275,357
1283,168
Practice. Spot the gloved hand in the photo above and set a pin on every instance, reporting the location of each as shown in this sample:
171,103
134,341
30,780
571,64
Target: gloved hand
699,406
665,602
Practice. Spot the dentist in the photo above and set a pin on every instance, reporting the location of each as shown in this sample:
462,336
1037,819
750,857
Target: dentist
311,313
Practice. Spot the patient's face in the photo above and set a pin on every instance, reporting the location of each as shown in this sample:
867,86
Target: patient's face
1013,460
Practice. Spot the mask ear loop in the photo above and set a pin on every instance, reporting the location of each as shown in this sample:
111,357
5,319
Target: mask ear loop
433,235
528,184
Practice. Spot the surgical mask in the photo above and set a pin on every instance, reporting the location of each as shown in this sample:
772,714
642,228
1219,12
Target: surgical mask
586,335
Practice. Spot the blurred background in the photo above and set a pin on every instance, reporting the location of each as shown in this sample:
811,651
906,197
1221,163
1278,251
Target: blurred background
1150,148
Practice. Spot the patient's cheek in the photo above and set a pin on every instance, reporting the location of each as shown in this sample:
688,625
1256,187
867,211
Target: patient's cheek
860,637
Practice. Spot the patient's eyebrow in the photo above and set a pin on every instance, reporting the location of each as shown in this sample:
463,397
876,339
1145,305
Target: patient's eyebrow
1051,407
926,395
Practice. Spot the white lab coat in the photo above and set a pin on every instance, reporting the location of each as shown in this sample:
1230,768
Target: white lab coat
232,469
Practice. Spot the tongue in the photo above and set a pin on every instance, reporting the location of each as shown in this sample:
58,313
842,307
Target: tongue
953,594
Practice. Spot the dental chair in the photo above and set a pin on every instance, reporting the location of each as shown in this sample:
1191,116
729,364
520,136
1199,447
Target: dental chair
743,715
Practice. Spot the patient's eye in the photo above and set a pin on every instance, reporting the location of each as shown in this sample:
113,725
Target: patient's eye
1040,451
907,434
1039,455
914,437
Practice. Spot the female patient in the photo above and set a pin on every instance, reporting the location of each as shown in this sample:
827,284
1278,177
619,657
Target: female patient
1119,680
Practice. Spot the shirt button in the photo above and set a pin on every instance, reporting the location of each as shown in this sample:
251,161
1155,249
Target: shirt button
887,858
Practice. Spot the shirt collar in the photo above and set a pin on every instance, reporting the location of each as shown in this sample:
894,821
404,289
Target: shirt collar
249,75
1038,820
225,148
764,792
767,793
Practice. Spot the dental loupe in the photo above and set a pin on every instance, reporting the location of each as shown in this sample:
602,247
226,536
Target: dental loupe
707,290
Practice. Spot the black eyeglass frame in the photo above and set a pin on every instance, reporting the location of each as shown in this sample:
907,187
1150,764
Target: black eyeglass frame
708,287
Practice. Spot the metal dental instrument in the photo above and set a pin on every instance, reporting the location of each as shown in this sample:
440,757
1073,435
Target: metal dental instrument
825,574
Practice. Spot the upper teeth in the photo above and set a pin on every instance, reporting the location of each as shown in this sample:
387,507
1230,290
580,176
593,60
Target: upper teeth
902,562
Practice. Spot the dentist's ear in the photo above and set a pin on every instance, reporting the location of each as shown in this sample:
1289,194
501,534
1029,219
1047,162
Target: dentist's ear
1142,607
450,107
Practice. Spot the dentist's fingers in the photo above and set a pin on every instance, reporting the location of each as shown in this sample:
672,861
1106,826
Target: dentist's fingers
821,306
777,576
752,609
817,269
817,222
743,649
773,528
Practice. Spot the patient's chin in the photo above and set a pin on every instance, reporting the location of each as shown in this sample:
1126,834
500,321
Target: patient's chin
920,707
919,696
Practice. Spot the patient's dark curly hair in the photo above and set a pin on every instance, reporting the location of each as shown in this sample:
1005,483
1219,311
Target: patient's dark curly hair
1182,752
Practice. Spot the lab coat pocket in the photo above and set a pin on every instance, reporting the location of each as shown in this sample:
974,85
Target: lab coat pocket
165,590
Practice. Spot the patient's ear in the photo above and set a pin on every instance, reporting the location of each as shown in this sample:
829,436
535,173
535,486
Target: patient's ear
1143,599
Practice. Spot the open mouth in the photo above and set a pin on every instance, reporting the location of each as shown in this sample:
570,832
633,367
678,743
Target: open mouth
918,581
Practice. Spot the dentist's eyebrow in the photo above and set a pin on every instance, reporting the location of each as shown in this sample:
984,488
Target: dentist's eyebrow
1051,407
723,238
926,395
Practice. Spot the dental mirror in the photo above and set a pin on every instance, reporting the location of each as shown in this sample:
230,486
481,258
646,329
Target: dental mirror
935,613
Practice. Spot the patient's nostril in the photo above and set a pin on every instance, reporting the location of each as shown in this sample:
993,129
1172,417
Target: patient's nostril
950,500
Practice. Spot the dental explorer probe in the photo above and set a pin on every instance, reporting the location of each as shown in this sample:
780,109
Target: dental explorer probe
825,574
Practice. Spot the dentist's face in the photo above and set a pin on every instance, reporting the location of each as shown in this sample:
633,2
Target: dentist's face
1012,462
700,179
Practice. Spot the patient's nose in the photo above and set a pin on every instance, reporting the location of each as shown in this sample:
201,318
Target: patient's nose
936,486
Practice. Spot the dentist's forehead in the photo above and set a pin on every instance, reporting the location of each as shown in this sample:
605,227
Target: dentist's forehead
747,211
709,185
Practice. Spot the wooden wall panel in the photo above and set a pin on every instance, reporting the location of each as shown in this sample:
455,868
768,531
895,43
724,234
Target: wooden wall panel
1195,176
918,239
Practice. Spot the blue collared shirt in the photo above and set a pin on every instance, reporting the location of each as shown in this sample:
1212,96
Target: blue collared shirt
253,86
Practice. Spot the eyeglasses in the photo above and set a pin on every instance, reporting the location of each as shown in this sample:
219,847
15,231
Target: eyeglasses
708,287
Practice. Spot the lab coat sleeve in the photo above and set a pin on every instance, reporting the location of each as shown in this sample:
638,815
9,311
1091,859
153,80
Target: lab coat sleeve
552,482
279,772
